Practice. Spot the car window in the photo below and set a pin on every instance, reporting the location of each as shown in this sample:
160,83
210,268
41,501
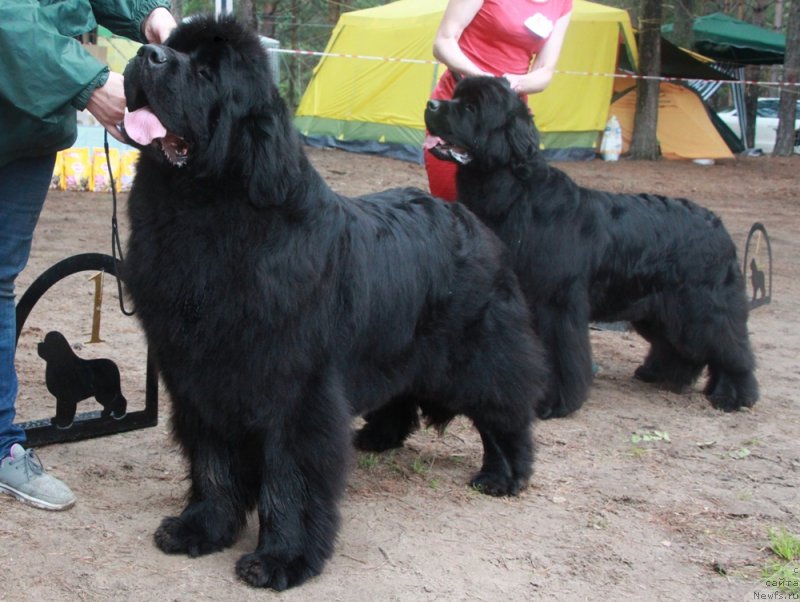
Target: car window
767,107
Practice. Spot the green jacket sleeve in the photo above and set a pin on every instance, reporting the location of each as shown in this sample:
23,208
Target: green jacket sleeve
42,67
125,17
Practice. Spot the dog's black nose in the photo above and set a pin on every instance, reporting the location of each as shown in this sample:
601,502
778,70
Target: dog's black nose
153,53
433,105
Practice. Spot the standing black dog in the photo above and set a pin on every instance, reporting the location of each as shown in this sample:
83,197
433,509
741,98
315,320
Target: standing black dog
278,310
666,265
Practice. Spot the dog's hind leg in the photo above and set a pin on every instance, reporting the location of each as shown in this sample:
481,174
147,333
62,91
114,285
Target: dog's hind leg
730,391
731,381
388,426
566,337
664,364
507,460
108,390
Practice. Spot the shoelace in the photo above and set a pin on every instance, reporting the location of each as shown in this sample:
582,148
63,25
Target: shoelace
32,464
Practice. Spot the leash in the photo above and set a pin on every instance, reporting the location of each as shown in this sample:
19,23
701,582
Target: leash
116,246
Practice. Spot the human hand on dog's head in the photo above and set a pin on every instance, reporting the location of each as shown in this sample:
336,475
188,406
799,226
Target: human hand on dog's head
158,25
515,81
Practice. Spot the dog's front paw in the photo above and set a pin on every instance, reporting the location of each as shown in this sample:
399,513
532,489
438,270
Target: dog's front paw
559,409
261,570
726,403
174,536
495,484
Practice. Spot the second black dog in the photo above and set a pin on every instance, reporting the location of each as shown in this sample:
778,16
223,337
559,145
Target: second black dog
666,265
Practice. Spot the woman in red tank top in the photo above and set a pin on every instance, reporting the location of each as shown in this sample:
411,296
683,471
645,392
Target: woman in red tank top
494,37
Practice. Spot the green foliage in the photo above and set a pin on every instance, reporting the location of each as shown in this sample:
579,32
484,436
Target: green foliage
367,461
194,7
297,25
739,454
783,575
420,465
784,544
638,452
649,436
740,9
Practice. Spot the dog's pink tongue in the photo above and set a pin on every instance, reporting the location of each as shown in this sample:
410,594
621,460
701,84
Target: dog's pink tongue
143,126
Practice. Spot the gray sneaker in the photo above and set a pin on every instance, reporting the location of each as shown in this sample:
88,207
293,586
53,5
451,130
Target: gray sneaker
22,475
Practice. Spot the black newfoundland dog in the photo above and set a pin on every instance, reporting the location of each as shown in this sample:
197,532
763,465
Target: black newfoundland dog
666,265
278,310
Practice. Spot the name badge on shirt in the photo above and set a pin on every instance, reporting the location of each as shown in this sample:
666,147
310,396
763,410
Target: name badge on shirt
540,25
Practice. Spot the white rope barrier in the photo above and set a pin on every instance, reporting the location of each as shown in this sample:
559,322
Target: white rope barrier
389,59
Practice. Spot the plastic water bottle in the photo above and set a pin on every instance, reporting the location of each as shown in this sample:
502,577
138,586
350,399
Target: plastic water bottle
611,145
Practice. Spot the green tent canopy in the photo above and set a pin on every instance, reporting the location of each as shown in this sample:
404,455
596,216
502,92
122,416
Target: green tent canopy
725,39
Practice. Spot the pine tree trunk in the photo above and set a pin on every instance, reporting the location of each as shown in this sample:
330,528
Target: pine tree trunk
786,138
294,64
751,92
267,22
683,34
246,13
644,144
177,10
754,73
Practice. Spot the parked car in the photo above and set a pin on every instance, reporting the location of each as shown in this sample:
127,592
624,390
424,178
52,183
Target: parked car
766,123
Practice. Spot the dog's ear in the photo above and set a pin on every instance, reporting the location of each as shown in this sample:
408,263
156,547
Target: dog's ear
523,141
271,174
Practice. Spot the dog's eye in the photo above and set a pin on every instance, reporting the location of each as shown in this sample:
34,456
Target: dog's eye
469,107
205,73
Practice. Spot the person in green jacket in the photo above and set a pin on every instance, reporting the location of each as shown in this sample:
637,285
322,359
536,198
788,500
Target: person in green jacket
45,77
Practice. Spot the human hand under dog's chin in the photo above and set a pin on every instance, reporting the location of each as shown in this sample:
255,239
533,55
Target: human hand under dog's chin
107,104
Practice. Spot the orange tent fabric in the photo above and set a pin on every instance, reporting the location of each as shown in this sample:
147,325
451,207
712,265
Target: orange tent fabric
684,129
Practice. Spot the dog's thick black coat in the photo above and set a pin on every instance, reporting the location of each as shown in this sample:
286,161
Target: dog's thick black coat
666,265
278,310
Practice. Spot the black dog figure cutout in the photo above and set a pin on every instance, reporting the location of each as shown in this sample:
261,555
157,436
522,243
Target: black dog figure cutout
72,379
758,280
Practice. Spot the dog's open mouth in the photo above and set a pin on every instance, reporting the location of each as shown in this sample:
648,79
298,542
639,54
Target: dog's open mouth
143,127
450,152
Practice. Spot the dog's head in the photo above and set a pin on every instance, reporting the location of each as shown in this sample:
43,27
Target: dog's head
199,101
485,126
54,347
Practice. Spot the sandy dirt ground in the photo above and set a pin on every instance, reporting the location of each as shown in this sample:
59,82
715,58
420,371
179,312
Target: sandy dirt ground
608,514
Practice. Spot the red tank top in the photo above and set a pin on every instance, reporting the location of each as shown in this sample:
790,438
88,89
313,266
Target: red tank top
499,41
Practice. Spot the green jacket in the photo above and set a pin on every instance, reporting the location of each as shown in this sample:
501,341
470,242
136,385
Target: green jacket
46,74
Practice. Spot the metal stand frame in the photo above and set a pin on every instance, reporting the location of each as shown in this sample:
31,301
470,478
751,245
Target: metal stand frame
754,276
87,424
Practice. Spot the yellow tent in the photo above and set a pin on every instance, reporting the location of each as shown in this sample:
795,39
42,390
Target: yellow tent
119,51
684,129
362,97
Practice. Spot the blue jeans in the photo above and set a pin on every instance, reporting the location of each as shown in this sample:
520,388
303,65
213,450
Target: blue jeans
23,188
